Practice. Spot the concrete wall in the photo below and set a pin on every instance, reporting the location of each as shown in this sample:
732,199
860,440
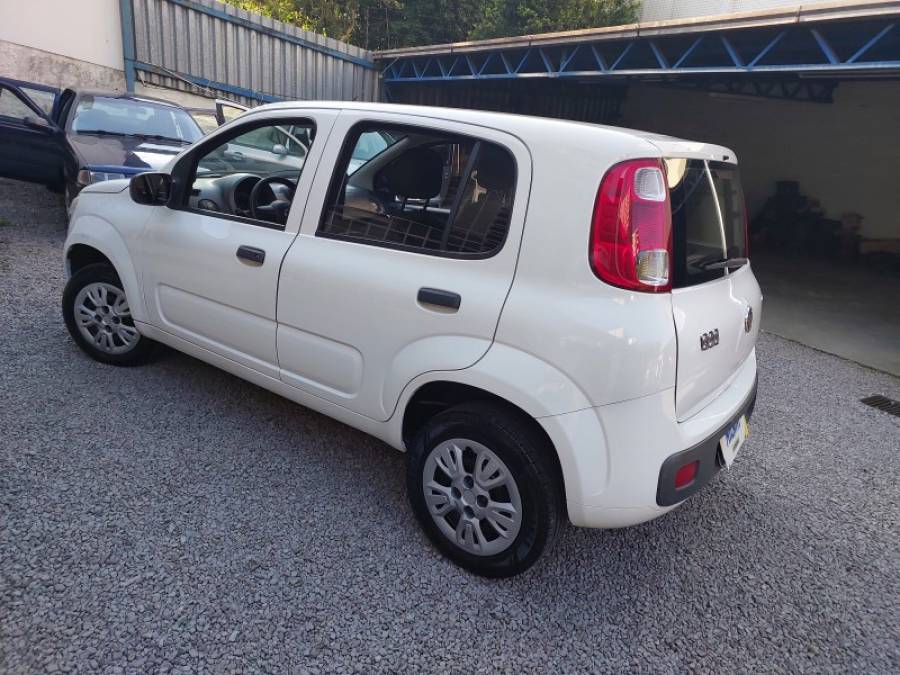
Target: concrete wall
85,30
35,65
844,154
661,10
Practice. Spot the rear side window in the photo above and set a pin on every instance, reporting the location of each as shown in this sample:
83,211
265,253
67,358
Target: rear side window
421,190
708,218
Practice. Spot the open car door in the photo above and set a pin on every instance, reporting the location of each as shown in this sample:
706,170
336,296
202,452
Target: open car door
228,110
30,142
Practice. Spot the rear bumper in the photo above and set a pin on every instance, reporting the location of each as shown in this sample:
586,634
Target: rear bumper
612,456
706,453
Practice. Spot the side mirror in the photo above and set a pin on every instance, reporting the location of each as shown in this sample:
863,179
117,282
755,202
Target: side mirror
279,149
151,188
38,123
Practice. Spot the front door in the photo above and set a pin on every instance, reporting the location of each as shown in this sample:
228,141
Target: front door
210,260
405,256
30,144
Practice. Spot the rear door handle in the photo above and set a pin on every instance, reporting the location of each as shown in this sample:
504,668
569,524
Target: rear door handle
439,297
251,254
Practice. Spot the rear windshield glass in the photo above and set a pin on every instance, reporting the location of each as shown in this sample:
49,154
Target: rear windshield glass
708,219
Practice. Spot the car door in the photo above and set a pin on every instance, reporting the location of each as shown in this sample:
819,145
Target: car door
209,261
394,273
30,144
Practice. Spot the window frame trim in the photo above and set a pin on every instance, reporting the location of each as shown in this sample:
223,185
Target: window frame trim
343,161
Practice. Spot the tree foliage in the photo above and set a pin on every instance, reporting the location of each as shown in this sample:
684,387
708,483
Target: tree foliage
383,24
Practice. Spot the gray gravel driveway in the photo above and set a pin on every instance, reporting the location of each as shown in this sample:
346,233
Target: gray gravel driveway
172,518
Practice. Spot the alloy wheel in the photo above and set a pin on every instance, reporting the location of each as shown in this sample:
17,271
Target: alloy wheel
104,318
472,496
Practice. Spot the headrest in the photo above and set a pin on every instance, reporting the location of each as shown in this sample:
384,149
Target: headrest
416,174
495,169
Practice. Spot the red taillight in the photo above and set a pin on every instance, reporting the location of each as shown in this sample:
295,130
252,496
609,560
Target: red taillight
631,234
686,474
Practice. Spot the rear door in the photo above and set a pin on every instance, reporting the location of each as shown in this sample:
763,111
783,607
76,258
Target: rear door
716,300
30,144
404,258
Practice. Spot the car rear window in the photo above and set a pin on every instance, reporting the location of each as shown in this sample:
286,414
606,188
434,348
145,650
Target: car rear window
708,218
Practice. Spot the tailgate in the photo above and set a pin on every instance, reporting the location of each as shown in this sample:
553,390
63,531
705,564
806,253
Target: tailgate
721,306
715,298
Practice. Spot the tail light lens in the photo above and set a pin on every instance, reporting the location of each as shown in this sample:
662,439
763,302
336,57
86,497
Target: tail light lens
631,234
686,474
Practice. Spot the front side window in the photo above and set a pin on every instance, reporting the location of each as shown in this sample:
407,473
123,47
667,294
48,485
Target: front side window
421,190
252,175
134,117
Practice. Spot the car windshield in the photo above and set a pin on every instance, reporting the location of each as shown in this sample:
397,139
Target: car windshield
134,117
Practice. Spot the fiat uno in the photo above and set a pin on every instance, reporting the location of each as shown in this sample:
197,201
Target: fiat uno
553,320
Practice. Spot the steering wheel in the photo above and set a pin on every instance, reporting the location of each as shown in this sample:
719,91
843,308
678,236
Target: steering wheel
276,211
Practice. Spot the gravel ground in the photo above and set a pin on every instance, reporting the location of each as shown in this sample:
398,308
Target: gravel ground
172,518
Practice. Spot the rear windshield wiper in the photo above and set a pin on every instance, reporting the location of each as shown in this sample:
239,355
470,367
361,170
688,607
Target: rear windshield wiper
722,264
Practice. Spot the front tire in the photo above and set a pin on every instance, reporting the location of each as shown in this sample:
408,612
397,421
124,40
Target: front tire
484,488
98,317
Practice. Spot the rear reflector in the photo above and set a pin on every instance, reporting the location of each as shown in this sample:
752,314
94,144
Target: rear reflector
686,474
631,232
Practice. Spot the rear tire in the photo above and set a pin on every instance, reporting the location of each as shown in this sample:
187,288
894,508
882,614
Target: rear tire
98,317
484,488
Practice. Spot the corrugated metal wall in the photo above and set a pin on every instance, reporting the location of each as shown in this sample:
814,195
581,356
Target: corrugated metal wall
190,44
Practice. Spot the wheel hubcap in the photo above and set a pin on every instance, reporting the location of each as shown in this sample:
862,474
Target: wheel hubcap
104,318
472,497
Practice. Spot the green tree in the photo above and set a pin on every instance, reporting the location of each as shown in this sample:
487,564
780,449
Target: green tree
501,18
383,24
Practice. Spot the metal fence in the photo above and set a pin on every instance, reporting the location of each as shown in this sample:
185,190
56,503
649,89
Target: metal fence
204,45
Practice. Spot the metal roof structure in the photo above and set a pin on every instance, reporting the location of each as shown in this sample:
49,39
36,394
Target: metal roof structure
859,38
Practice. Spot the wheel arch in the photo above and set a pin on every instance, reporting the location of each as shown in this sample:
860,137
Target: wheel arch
93,240
526,385
436,396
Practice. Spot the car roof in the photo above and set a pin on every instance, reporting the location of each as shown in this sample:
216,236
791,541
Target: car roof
525,126
528,127
123,95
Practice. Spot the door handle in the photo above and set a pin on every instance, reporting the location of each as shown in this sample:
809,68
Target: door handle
439,297
251,254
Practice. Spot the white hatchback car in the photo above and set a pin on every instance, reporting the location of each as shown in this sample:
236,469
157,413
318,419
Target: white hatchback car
555,320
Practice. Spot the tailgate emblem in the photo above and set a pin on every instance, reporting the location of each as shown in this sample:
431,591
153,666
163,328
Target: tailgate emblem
709,340
748,320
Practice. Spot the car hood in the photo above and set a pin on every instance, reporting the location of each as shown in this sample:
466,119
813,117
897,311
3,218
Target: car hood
125,153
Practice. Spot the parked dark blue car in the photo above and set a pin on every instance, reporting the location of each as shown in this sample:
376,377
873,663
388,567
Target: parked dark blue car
73,138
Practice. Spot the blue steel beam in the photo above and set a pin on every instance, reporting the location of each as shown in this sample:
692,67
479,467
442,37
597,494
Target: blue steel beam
205,83
792,49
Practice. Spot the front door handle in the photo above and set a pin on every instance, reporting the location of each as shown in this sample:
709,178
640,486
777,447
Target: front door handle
439,297
251,254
